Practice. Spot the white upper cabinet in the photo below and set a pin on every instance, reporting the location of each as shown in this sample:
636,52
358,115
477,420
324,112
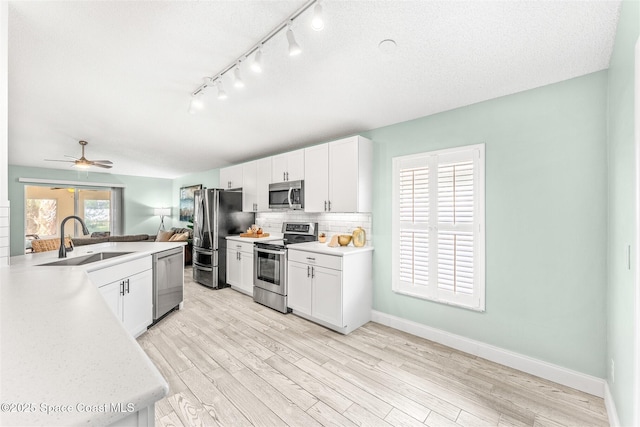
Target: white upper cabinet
231,177
250,187
254,178
263,177
316,178
338,176
288,166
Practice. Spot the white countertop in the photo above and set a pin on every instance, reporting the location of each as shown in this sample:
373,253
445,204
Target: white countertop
323,248
60,343
254,239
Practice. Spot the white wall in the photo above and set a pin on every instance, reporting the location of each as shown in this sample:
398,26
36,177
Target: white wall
4,145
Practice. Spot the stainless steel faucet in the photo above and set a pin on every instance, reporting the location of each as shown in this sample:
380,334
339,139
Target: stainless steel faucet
62,252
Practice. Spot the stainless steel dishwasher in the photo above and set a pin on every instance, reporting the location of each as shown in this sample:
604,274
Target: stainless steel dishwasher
168,281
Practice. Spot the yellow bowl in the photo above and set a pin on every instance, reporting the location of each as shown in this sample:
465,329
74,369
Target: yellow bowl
344,239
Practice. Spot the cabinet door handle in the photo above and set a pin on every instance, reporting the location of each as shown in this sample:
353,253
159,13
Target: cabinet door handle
329,205
128,286
122,288
325,205
239,256
284,176
308,270
313,272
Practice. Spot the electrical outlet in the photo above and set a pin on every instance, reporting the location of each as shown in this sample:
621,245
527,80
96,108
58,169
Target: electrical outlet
613,371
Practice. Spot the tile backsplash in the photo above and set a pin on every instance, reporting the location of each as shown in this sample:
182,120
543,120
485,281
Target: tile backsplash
329,223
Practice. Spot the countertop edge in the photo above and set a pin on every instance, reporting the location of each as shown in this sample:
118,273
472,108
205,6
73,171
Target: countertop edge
83,316
322,248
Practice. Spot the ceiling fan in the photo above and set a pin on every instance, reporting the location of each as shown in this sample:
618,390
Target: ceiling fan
83,162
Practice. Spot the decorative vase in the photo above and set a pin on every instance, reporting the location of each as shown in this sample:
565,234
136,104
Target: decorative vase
359,237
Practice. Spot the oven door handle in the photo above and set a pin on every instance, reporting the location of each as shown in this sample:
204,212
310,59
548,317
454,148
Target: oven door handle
289,197
268,251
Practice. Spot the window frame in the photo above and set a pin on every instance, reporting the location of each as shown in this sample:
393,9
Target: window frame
431,292
116,202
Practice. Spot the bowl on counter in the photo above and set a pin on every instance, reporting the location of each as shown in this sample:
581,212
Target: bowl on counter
344,239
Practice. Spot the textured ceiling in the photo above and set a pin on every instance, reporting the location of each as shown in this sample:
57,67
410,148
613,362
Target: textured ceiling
120,74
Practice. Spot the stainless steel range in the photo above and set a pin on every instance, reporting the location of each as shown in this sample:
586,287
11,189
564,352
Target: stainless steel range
270,264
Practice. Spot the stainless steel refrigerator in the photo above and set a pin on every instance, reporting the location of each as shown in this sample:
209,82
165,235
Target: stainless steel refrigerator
217,214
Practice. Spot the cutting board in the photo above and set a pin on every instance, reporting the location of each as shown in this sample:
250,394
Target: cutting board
255,236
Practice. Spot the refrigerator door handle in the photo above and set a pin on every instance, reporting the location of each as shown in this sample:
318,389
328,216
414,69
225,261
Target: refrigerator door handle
197,221
208,216
201,267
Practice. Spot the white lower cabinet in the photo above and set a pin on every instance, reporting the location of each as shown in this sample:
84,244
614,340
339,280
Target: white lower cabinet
326,295
240,266
128,290
299,292
334,291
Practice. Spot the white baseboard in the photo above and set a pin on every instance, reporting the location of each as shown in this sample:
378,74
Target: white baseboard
579,381
610,404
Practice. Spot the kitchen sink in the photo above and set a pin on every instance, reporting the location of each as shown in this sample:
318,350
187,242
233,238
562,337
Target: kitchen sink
87,259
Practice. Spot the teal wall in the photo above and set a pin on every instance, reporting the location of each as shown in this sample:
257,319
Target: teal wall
621,227
546,197
141,195
208,179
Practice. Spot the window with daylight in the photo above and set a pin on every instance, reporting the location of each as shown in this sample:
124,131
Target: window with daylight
41,217
438,226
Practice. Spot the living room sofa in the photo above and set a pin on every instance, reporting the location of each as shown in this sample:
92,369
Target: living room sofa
99,237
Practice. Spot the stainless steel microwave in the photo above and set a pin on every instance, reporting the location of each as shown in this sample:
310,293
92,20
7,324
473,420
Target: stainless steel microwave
286,195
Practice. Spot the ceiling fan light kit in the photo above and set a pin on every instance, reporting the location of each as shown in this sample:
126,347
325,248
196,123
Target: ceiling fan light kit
317,23
83,162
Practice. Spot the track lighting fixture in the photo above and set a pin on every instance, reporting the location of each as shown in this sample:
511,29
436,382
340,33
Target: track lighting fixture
256,65
317,23
237,80
294,47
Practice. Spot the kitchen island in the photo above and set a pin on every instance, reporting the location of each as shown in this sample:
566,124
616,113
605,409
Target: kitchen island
65,358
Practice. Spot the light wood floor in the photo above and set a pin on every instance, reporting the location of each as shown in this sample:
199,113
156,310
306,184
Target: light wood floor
232,362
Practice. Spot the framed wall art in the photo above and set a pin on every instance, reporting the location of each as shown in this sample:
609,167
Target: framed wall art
186,202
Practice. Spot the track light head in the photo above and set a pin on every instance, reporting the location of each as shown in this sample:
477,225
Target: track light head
317,23
197,102
256,65
237,80
222,94
294,47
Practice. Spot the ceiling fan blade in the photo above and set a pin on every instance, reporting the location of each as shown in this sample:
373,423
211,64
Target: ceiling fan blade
101,166
83,162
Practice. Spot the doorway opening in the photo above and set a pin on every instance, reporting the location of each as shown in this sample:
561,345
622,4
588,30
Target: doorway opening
46,207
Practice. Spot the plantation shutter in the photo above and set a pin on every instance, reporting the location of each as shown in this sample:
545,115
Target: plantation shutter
456,203
414,222
438,237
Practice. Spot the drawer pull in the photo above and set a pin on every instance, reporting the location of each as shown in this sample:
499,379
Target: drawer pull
311,258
